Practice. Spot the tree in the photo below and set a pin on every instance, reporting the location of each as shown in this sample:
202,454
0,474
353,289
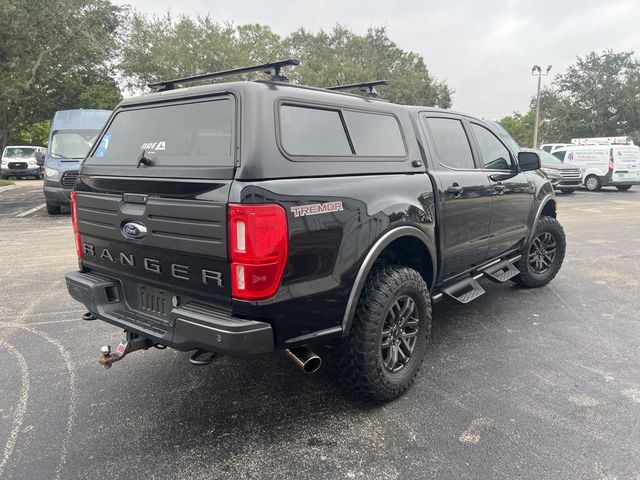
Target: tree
55,54
520,127
597,96
157,48
161,48
34,134
341,57
600,94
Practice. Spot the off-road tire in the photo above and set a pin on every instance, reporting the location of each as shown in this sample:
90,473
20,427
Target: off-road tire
53,209
528,277
567,190
623,188
358,358
593,183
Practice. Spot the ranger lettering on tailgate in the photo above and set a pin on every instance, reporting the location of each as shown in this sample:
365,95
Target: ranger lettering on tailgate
152,265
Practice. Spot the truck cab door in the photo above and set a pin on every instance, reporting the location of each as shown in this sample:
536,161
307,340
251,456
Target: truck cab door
511,192
464,194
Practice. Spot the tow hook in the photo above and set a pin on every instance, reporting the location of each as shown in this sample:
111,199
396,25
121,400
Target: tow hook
132,343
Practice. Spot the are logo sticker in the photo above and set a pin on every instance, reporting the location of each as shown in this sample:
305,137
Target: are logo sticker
157,146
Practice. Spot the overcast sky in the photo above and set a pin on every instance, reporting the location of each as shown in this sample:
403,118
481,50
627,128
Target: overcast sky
483,49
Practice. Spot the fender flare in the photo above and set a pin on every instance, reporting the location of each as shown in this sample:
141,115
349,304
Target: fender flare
543,203
370,259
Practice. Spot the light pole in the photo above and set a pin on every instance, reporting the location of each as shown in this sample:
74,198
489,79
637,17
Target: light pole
536,70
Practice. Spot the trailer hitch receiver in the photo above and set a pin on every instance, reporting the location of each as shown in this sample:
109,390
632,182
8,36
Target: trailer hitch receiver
132,343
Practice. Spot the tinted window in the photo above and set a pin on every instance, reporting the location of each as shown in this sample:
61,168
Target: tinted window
374,134
559,155
451,143
494,154
193,134
547,148
313,131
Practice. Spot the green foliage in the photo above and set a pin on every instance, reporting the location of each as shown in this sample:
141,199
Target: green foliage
597,96
33,134
159,48
55,54
341,57
520,127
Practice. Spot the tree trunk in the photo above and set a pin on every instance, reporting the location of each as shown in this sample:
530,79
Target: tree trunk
6,125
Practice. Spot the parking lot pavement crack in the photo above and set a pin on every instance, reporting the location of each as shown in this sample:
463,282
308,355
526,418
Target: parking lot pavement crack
72,395
21,408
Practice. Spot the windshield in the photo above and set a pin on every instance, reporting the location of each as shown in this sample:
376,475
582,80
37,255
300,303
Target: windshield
18,152
72,144
547,159
197,134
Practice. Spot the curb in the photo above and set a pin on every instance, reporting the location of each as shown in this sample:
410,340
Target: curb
8,187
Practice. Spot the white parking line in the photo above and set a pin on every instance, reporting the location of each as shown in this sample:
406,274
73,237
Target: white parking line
34,209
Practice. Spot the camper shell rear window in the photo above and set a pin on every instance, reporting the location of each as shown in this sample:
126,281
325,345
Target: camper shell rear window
186,139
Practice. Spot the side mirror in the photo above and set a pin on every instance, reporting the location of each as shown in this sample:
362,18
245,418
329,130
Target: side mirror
39,158
528,161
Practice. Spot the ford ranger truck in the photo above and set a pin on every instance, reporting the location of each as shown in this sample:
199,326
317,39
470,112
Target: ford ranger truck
241,218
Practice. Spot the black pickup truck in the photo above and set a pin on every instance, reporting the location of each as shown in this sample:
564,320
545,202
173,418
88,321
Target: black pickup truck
241,218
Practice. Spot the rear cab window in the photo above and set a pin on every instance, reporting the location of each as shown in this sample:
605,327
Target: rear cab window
188,139
450,142
314,131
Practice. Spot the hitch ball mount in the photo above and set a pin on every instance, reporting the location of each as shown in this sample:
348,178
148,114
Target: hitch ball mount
132,343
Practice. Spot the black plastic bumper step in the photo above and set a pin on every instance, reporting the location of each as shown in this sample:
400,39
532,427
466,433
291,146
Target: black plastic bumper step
465,290
501,272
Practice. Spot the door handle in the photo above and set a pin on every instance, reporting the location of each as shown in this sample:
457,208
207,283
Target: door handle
455,189
498,188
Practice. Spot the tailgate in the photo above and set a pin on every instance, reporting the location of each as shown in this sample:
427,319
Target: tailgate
184,249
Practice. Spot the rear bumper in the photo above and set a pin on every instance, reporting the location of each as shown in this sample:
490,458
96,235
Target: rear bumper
186,327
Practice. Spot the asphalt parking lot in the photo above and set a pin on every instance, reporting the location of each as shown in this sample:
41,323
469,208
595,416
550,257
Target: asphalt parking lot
519,384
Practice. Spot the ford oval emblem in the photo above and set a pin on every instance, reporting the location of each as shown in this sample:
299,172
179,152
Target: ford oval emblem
134,230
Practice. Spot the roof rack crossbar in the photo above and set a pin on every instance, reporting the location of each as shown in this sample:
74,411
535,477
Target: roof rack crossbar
368,87
273,68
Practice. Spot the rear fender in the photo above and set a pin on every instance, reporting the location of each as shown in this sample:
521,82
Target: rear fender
370,259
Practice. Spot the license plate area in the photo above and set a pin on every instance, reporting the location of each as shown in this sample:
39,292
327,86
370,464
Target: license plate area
153,301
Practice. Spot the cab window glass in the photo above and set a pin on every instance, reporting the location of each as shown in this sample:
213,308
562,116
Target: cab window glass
313,131
494,154
374,135
451,142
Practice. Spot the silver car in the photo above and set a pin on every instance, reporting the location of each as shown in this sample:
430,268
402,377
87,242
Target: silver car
563,177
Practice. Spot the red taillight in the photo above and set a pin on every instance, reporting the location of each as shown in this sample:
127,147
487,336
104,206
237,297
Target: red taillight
258,249
611,163
74,222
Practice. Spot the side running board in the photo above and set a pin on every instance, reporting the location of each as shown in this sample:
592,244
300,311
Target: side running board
465,290
469,289
501,272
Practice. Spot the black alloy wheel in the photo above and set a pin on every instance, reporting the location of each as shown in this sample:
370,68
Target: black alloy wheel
542,253
399,334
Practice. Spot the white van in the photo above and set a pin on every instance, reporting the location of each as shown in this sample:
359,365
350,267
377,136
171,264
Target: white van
604,165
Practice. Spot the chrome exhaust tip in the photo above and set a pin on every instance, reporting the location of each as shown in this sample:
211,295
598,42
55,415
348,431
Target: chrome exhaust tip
308,361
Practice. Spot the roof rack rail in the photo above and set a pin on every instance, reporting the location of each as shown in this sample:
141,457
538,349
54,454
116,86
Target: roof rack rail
368,87
273,68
